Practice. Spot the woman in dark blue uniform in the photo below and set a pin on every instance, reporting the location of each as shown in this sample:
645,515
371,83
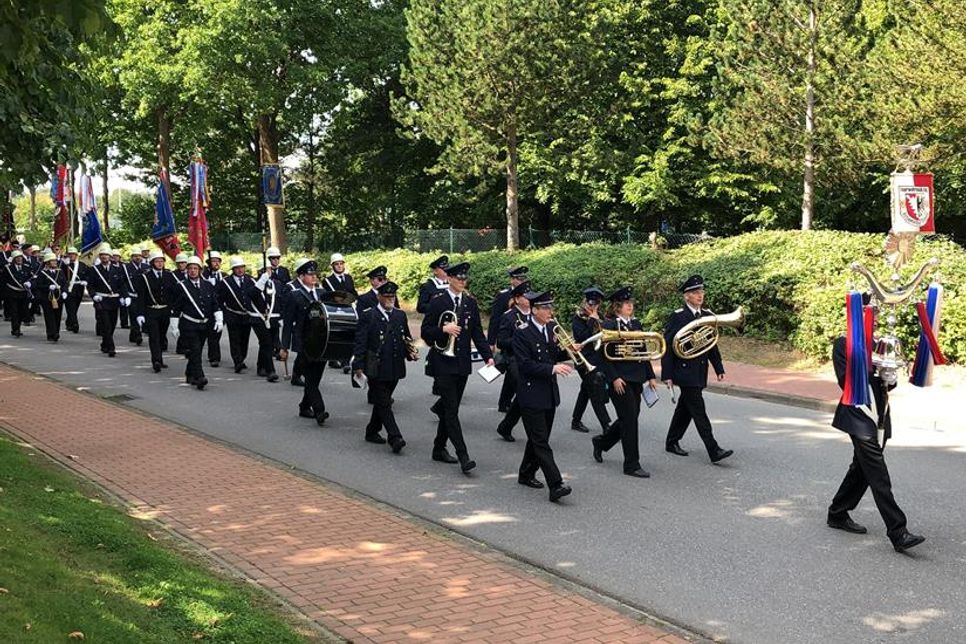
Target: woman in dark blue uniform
586,322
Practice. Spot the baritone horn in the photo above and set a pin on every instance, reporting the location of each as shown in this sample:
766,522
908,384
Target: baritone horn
699,336
632,346
566,340
448,349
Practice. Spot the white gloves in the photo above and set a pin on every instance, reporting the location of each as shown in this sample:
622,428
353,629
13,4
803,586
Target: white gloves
219,321
81,282
97,298
262,281
125,301
212,281
63,295
175,331
53,287
26,284
140,320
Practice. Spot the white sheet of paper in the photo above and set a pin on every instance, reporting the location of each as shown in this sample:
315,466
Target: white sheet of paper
650,396
361,380
489,373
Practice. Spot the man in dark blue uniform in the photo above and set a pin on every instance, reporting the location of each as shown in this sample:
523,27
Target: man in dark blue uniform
435,285
499,306
516,318
132,272
76,286
275,268
16,291
537,355
627,382
586,322
339,280
105,285
869,428
50,289
155,288
233,295
377,277
450,372
382,346
296,324
267,302
691,376
213,273
195,314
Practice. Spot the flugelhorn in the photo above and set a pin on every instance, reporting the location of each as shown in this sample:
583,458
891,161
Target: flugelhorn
632,346
448,349
699,336
566,341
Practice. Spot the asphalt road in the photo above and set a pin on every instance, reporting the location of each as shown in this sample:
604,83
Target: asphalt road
736,551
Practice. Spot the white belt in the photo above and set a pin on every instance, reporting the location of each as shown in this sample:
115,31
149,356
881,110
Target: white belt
158,306
236,312
195,320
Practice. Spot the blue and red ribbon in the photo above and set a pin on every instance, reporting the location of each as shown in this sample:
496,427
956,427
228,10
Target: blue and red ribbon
928,352
858,353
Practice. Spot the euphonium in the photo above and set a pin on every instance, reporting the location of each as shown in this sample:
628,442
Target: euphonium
701,335
449,349
632,346
566,341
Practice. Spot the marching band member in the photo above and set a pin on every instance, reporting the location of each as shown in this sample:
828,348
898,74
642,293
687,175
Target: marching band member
516,318
76,284
17,293
50,289
180,264
339,280
435,285
212,273
296,319
382,346
377,277
105,285
499,306
691,376
233,296
123,317
267,301
628,380
195,313
537,354
275,268
131,271
155,288
586,323
453,319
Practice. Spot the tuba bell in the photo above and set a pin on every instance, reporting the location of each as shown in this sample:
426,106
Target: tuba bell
632,346
448,349
699,336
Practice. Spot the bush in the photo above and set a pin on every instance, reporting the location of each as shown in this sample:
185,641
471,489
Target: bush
792,284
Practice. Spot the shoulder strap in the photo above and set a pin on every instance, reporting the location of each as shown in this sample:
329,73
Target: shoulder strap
97,270
201,314
147,283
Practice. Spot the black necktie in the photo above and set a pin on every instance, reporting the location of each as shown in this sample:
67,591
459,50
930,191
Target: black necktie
545,338
457,303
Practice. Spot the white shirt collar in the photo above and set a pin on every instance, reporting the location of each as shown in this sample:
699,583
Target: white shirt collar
453,294
626,321
693,310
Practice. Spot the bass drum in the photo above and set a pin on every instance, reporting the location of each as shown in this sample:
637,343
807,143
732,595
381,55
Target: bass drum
331,329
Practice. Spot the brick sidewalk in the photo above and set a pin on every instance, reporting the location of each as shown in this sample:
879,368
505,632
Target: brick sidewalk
358,570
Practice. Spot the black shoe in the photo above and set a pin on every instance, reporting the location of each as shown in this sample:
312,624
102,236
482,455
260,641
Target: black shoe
139,342
164,365
244,366
721,454
298,382
320,418
640,473
375,438
467,464
436,410
907,540
530,482
578,426
504,409
559,492
306,412
215,364
334,364
444,456
397,445
111,354
674,448
598,450
846,524
272,377
239,368
346,369
156,366
505,434
201,382
261,373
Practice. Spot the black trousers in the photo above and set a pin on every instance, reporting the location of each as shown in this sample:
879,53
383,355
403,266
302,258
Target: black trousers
122,316
513,413
868,470
691,407
538,423
312,371
624,429
52,318
266,345
194,344
106,324
136,335
380,397
450,388
72,305
214,346
508,392
16,308
238,335
599,407
297,366
156,328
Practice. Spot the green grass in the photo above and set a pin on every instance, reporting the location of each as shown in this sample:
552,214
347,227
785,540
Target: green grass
71,562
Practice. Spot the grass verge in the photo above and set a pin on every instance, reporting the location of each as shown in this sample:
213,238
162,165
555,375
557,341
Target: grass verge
73,567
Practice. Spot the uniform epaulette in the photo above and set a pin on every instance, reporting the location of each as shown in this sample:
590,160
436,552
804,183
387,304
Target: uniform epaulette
679,310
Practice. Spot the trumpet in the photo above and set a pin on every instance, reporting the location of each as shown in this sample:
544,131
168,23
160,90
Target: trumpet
632,346
448,349
566,341
699,336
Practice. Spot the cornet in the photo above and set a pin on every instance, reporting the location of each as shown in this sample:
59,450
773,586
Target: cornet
566,341
449,349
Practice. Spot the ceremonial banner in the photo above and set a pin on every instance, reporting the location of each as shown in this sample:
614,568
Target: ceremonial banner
164,233
912,203
272,186
60,194
91,236
200,203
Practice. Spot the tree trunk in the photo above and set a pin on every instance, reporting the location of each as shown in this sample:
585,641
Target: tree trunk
268,148
512,204
164,142
33,207
808,189
107,194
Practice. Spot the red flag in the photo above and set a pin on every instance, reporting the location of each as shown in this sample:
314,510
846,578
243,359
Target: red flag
61,216
200,202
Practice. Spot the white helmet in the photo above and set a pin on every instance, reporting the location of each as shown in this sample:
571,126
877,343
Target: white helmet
273,251
180,258
214,255
49,256
104,249
194,259
15,254
71,250
237,261
336,257
157,254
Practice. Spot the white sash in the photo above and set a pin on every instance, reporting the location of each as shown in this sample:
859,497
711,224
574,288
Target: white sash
201,314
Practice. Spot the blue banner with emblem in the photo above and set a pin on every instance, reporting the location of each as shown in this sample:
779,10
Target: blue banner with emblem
272,185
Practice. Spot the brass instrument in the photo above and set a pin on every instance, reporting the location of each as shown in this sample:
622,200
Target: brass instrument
449,349
54,298
566,341
632,346
699,336
899,294
411,349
